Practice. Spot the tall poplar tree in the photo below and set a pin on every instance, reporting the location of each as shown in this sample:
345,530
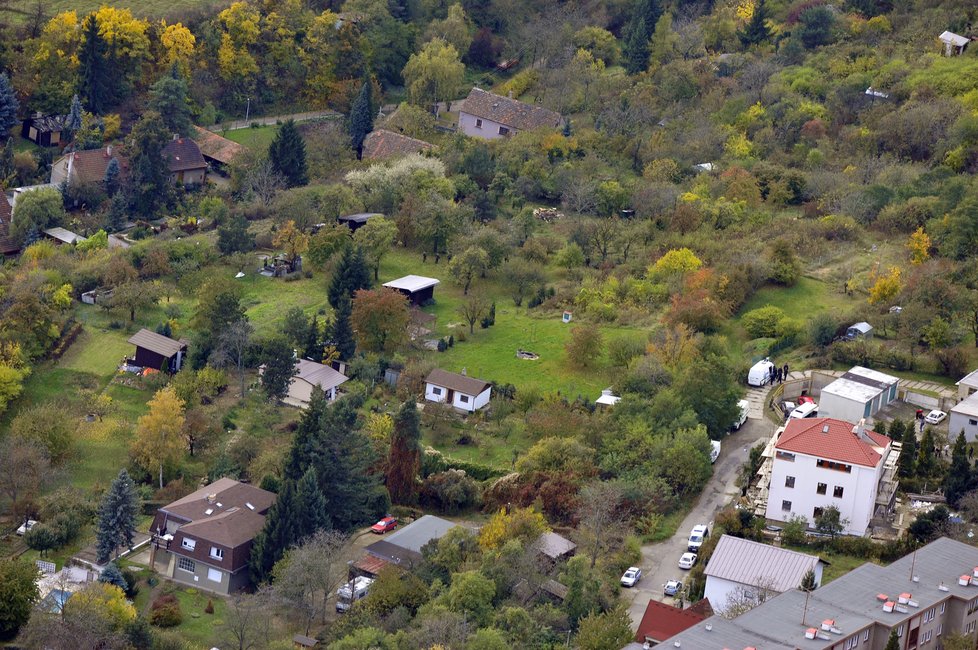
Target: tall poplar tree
95,86
362,116
287,153
404,459
116,517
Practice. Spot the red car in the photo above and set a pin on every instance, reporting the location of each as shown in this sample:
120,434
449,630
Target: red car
805,399
385,525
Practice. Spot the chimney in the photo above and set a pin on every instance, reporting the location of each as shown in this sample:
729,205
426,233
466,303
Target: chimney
860,432
211,498
108,151
510,94
176,136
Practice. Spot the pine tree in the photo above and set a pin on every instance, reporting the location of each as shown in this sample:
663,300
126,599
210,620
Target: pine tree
893,643
116,517
404,459
908,455
341,333
233,235
313,343
93,76
808,581
896,430
310,506
73,121
350,275
362,116
169,98
287,153
112,172
880,427
148,173
8,105
926,461
756,31
640,29
276,536
7,169
960,478
303,442
279,367
113,576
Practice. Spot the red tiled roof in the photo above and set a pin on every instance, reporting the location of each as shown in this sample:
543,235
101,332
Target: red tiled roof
662,621
89,165
384,144
511,112
182,155
831,439
216,147
371,565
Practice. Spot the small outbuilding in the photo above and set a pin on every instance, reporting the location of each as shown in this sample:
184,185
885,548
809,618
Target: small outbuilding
63,236
157,351
416,288
964,417
309,374
458,390
608,398
861,330
300,641
555,547
356,221
859,393
954,44
43,130
968,385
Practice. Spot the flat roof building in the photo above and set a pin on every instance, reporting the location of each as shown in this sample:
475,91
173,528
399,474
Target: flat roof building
416,288
859,393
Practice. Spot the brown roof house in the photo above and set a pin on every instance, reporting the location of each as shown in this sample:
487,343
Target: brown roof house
216,150
83,167
310,374
490,116
185,162
205,538
462,392
157,351
382,143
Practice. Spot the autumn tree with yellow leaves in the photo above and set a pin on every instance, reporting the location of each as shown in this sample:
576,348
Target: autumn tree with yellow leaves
159,437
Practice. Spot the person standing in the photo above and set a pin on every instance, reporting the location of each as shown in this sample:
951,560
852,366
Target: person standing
786,372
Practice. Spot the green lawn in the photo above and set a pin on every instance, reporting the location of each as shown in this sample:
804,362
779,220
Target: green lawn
267,299
838,565
198,628
256,139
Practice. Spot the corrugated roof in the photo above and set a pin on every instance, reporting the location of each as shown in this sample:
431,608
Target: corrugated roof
420,532
162,345
833,440
216,147
553,545
319,375
457,382
752,563
64,235
412,283
510,112
382,143
662,621
183,154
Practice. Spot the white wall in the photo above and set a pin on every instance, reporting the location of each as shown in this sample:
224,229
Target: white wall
429,393
489,130
858,500
718,590
959,421
841,408
474,403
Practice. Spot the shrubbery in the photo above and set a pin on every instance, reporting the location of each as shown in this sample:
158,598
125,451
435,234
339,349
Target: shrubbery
165,611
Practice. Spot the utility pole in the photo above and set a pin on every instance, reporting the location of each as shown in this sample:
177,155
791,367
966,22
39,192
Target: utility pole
248,110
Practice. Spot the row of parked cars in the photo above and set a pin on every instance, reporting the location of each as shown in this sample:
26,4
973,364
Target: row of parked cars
687,561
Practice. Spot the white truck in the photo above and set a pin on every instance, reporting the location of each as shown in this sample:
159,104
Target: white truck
351,592
714,450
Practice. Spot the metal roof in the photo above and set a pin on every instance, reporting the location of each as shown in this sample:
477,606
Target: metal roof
318,374
360,217
64,235
412,283
967,406
420,532
752,563
854,390
162,345
971,379
954,39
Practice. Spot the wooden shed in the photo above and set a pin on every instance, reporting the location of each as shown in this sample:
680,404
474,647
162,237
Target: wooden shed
157,351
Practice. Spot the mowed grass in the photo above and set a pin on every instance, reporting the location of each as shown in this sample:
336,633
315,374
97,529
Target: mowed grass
267,299
200,629
256,139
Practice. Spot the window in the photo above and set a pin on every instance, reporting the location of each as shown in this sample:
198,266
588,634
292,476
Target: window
435,390
784,455
972,422
928,635
189,544
865,636
839,467
464,399
786,505
217,553
837,491
972,606
186,564
851,643
822,487
213,575
930,614
943,606
940,629
503,130
900,631
816,513
478,124
789,481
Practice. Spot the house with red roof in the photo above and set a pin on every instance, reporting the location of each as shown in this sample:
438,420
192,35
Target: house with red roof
823,462
662,621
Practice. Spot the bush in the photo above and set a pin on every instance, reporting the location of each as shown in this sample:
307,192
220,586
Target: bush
165,611
763,321
450,491
210,607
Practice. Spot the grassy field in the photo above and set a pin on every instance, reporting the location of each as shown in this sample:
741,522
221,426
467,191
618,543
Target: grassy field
256,139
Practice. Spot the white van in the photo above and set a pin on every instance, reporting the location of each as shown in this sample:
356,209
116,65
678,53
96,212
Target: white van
714,450
760,373
806,410
351,592
744,407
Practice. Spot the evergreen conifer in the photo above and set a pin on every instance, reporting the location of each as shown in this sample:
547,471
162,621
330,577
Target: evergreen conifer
362,116
756,31
287,153
404,459
8,105
116,517
93,76
350,275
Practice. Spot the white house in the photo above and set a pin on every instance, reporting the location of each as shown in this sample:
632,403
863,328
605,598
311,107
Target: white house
309,374
953,43
740,567
858,394
462,392
489,116
964,417
968,385
822,462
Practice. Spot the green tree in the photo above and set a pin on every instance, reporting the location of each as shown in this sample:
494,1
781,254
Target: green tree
645,15
471,594
830,521
815,26
279,367
18,594
276,536
362,116
287,153
926,460
148,170
73,122
893,643
606,631
351,275
468,265
404,459
8,105
37,210
341,332
908,455
434,74
785,266
169,98
113,576
95,86
116,517
756,30
960,478
310,506
380,319
523,279
233,235
112,178
376,238
808,581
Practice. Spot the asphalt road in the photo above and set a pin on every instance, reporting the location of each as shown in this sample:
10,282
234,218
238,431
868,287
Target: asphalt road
660,562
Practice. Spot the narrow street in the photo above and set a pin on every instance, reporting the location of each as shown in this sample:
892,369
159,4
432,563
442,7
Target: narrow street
660,561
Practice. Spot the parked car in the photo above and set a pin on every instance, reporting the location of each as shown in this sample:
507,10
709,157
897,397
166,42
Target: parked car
687,561
714,450
672,588
696,538
743,407
631,577
805,399
26,526
385,525
935,417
